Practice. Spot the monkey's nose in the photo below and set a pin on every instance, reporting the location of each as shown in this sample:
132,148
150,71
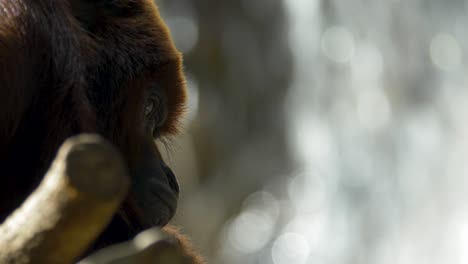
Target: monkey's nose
171,178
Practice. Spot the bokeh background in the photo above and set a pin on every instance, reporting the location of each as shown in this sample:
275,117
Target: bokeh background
324,131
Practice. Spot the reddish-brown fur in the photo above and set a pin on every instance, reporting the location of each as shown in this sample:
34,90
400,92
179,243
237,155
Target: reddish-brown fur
185,243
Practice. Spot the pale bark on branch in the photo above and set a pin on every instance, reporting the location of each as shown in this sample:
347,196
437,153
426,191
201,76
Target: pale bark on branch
75,201
150,247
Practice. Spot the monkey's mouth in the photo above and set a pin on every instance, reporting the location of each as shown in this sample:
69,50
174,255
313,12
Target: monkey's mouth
165,197
156,193
152,201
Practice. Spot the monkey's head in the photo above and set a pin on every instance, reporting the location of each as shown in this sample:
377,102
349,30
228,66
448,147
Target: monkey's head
101,66
136,90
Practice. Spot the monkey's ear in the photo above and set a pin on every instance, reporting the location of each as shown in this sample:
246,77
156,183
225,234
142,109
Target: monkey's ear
92,12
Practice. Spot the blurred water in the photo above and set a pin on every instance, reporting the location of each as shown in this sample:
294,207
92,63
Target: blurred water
378,109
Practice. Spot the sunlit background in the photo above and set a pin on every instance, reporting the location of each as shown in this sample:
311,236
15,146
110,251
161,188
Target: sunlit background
324,132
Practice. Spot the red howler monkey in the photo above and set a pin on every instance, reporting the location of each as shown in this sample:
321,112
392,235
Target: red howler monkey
98,66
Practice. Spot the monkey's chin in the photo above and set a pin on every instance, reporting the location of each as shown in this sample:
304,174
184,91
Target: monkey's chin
154,202
160,204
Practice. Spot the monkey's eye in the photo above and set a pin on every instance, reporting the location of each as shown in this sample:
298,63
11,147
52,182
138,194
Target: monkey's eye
153,107
155,112
149,108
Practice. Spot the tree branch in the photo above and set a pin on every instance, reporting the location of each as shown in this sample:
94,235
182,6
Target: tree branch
149,247
75,201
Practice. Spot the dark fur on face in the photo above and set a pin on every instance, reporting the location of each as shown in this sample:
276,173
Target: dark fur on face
68,67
